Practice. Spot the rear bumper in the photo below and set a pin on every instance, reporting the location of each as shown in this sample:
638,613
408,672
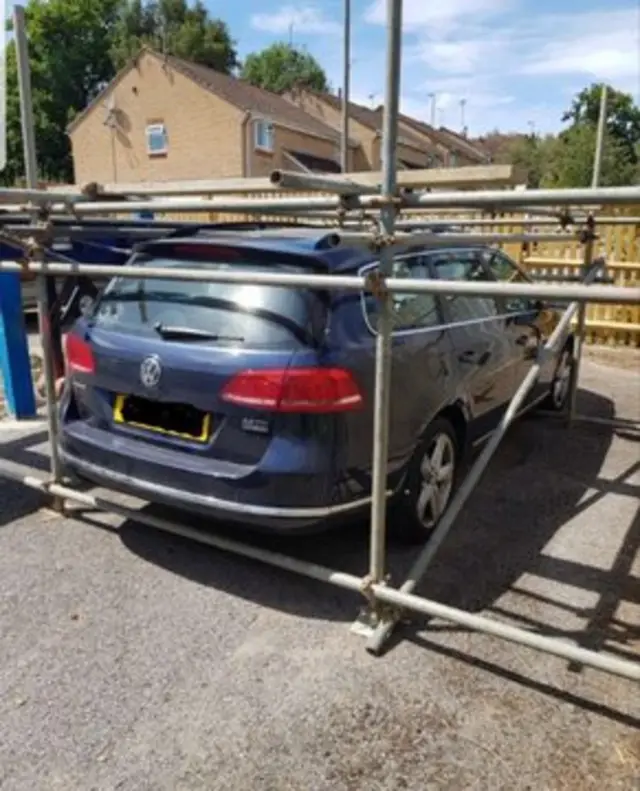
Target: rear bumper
304,501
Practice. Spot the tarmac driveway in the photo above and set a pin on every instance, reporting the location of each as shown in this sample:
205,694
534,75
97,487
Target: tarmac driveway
133,660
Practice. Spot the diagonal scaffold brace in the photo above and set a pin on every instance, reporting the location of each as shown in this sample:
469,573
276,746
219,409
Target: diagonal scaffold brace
378,636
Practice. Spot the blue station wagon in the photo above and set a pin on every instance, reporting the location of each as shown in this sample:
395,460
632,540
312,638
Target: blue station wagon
254,404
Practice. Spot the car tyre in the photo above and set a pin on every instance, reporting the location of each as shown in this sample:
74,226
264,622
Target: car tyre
429,484
560,389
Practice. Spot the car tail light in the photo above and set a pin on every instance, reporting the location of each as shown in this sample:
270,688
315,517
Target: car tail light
316,390
79,355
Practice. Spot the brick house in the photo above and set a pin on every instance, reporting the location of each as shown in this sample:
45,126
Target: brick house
451,150
419,144
467,153
162,119
414,150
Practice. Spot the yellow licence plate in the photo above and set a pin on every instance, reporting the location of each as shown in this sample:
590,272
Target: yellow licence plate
142,418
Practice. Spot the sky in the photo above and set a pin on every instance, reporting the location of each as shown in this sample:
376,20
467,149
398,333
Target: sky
515,63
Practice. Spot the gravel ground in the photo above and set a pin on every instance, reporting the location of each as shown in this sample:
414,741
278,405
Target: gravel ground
133,660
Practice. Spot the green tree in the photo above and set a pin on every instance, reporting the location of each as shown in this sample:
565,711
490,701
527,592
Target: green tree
623,115
281,67
69,43
569,161
174,27
529,155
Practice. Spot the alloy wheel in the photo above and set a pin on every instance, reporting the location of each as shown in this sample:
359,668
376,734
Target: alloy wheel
561,381
437,473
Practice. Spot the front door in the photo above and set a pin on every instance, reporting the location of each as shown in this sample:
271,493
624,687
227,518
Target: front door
523,321
421,369
483,347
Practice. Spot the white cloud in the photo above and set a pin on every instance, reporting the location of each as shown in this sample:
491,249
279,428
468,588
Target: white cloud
514,64
462,56
601,45
436,13
302,20
483,113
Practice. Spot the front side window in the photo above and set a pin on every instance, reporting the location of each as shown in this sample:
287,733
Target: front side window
157,140
505,270
263,135
465,265
409,311
502,267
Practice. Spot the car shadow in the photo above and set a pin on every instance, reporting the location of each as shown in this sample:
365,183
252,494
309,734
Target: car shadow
543,476
18,501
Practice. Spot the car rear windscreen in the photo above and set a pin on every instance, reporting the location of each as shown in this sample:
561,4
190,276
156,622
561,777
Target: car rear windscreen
258,315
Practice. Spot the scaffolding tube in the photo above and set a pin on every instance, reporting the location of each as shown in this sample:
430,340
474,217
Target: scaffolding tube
287,179
389,203
382,381
604,294
42,285
431,238
490,199
380,635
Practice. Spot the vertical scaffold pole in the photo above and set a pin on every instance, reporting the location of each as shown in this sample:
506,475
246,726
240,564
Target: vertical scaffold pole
581,323
31,172
383,341
588,256
378,638
346,89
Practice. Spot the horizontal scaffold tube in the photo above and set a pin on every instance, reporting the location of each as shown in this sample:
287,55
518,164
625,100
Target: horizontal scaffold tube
556,292
492,199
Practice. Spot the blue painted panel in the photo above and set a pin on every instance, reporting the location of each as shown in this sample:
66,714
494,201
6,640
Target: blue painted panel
15,365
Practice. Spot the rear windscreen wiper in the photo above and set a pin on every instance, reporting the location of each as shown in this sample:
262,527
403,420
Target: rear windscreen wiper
169,333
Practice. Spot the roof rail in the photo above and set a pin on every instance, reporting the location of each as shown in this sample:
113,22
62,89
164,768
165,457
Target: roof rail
327,237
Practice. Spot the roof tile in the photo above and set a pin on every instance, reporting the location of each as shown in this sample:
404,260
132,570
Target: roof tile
251,98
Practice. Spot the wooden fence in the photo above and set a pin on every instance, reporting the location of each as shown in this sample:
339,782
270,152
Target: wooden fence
614,325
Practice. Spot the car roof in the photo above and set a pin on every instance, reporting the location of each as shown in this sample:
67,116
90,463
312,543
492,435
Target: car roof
320,244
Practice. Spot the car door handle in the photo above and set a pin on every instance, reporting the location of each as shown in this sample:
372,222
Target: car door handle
474,357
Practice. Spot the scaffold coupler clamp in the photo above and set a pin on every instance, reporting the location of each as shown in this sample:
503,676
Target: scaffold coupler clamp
566,218
33,246
383,612
588,233
376,283
92,190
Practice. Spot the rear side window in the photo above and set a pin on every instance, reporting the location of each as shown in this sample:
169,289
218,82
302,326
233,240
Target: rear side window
409,311
258,315
465,265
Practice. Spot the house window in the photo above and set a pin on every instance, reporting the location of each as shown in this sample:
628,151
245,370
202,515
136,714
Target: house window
263,135
453,160
157,142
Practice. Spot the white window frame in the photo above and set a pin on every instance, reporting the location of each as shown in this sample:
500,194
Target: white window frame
262,126
156,129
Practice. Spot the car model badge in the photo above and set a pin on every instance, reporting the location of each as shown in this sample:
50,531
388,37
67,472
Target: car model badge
150,371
